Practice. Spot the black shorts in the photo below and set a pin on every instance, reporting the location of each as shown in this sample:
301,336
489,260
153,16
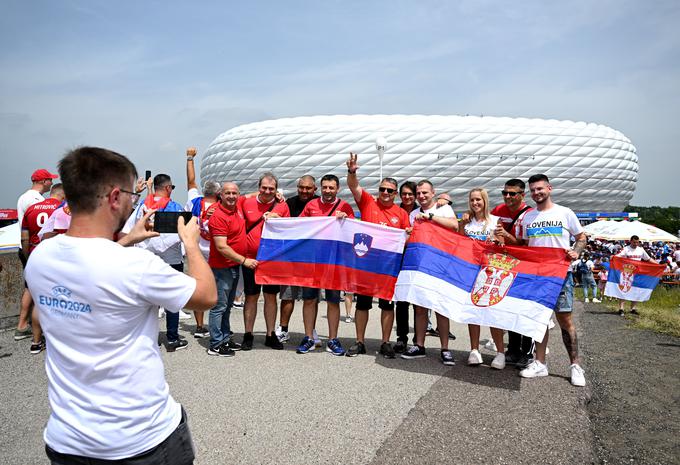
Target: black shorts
365,302
250,287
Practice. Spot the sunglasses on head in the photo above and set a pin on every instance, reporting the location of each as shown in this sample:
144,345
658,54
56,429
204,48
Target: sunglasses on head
511,194
389,190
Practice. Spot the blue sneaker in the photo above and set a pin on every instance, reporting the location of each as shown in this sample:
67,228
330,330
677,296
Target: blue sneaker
307,345
335,348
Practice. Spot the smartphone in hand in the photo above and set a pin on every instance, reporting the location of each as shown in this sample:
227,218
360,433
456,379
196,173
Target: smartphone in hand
166,222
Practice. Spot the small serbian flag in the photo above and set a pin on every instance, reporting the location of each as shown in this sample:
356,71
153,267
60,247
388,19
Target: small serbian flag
476,282
330,253
632,279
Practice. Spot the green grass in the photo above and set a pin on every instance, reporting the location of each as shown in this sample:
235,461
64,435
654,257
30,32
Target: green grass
661,313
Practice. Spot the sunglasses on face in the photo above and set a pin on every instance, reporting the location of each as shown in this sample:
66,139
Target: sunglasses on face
511,194
387,189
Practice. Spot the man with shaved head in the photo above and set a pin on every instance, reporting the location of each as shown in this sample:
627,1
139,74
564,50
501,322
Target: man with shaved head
227,251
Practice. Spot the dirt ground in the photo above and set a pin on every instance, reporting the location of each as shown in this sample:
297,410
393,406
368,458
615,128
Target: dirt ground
635,390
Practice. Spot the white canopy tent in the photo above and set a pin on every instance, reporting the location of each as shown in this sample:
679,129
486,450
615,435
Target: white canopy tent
10,238
623,230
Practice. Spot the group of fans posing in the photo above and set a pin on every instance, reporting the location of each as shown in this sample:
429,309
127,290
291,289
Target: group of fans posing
231,225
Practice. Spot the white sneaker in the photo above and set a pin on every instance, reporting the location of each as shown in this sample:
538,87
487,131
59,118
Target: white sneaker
587,300
596,300
184,315
475,358
535,370
490,345
498,361
578,377
317,340
161,312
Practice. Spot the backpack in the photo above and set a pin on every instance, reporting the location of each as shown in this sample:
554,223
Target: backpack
583,267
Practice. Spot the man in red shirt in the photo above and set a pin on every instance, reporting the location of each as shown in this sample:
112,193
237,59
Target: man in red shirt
256,210
381,211
227,251
34,218
511,213
327,205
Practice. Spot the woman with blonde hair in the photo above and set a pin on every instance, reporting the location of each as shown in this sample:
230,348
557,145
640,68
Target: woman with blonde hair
477,223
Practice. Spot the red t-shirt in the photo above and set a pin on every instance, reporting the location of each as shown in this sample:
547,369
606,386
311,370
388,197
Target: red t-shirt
317,207
503,212
35,217
252,210
229,224
373,211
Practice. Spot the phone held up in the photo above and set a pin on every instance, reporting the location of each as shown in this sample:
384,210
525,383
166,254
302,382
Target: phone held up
166,222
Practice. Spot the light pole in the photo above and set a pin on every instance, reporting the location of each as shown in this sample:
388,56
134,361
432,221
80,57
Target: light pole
380,144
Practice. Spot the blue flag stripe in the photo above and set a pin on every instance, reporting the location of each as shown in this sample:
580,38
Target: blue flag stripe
426,259
642,281
329,252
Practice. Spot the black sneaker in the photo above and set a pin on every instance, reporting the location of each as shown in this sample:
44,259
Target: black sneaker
621,313
633,311
414,352
400,347
273,341
201,332
179,344
452,336
447,357
432,332
512,358
247,343
523,362
386,350
356,349
221,351
233,345
37,347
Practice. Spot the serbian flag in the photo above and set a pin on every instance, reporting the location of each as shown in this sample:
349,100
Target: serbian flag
330,253
470,281
632,279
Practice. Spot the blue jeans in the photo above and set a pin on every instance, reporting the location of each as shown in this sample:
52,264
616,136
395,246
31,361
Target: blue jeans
226,280
172,318
588,282
565,301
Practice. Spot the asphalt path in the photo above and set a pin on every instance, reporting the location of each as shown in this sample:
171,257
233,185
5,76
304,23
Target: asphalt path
266,406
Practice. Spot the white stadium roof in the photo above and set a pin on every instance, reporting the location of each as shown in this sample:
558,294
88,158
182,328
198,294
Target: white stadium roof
592,167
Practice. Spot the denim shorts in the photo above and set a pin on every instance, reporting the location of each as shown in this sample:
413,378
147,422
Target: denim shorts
332,296
565,301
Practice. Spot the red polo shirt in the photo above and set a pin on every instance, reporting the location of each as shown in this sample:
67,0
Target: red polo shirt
229,224
317,207
373,211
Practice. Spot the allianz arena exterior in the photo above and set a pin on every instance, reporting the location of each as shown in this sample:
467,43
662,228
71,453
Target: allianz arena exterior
592,167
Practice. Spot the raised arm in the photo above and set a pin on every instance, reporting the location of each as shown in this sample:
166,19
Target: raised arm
352,179
191,172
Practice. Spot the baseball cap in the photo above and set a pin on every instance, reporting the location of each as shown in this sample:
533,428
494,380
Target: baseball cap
39,175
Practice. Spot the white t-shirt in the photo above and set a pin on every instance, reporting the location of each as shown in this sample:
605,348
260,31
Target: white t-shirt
550,228
167,246
676,256
445,212
59,220
638,253
481,230
203,243
98,305
27,199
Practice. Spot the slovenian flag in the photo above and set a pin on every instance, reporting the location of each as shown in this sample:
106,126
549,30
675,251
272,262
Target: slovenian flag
470,281
631,279
330,253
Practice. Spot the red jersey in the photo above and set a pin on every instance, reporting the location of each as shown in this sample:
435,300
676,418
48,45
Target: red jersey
252,210
373,211
503,212
35,217
229,224
318,207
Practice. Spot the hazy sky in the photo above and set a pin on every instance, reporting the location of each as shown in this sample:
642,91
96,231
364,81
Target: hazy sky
148,79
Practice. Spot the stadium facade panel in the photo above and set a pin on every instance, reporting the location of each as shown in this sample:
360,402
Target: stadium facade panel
592,167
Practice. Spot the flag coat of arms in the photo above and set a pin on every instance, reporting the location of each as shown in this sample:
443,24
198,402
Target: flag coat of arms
328,253
632,279
476,282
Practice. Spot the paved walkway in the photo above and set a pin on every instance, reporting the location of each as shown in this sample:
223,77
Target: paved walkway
267,407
